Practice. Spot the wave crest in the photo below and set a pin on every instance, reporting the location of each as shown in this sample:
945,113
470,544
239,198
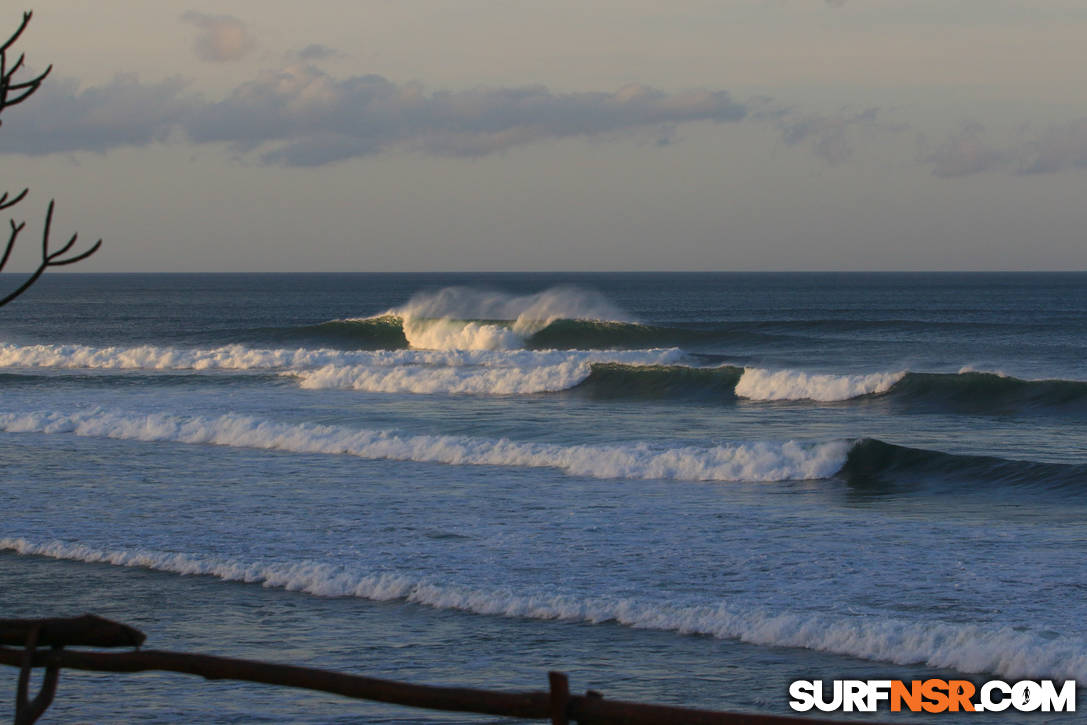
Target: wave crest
969,648
465,318
741,461
759,384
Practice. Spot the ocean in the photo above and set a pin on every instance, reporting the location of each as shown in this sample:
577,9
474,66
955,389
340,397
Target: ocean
678,488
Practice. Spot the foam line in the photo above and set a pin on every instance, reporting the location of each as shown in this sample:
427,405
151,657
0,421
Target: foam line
760,384
743,461
239,357
151,357
475,380
1004,651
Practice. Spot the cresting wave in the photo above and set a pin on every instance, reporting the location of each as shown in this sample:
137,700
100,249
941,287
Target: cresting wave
462,318
481,372
1002,651
388,332
634,374
963,392
492,372
152,357
607,375
866,465
731,382
240,357
741,461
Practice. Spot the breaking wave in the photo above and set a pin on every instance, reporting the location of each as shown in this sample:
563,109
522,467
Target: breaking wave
963,392
152,357
651,373
1004,651
866,464
493,372
387,332
465,318
757,384
477,380
740,461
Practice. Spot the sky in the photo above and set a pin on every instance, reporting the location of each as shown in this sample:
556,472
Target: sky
409,135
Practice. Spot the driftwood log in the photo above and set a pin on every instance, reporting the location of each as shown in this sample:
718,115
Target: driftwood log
42,643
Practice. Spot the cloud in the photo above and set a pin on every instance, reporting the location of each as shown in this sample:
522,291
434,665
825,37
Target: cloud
302,116
310,118
965,152
1056,149
221,38
829,137
968,150
317,51
124,112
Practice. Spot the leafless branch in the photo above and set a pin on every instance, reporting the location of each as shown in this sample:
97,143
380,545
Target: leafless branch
49,258
12,93
22,89
15,229
4,203
15,36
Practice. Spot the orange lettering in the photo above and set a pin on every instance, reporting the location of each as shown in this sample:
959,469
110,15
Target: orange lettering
910,695
936,692
959,694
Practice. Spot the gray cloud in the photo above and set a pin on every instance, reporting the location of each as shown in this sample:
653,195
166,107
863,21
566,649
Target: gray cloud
221,38
1056,149
317,51
968,150
965,152
311,118
124,112
301,116
829,137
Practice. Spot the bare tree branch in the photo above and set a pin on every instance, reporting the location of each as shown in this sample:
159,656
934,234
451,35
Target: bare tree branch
7,75
49,259
12,93
15,36
4,203
15,229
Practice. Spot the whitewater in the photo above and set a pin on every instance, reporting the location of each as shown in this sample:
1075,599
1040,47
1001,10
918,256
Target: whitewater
680,488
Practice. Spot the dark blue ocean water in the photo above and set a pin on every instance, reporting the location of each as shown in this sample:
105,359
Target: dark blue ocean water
684,488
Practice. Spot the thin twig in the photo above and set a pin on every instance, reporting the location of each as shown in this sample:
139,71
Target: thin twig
49,259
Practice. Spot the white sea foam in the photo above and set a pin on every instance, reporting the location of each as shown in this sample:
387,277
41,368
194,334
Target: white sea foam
1003,651
151,357
498,372
494,372
476,379
448,334
743,461
464,318
759,384
239,357
965,369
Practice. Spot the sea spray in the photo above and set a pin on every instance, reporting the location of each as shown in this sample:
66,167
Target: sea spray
465,318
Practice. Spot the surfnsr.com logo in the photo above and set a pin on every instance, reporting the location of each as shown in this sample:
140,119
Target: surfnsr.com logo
933,696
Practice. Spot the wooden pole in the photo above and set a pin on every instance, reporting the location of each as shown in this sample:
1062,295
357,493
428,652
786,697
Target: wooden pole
560,698
32,636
